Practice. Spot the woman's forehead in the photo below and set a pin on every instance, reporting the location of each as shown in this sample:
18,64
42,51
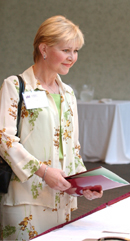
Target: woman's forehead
69,44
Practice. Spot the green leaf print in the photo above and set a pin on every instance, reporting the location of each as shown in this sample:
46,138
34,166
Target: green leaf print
32,165
70,169
16,85
15,178
66,114
34,189
57,198
6,159
78,162
72,92
17,88
33,115
8,230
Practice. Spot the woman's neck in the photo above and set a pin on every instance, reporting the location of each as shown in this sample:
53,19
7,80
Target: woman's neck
47,80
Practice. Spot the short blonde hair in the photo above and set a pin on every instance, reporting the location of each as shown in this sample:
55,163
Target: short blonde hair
56,29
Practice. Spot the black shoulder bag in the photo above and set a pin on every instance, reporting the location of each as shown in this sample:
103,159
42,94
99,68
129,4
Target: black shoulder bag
5,169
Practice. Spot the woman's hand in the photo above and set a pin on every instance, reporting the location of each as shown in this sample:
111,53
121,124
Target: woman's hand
54,178
90,195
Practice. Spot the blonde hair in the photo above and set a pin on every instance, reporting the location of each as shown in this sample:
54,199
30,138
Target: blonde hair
56,29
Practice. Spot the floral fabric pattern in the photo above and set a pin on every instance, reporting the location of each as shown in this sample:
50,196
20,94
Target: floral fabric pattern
31,221
38,143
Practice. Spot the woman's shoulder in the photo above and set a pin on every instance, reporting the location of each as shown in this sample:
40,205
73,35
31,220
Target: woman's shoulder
10,87
13,79
10,81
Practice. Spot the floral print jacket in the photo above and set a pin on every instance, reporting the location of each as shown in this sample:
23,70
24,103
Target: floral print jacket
38,142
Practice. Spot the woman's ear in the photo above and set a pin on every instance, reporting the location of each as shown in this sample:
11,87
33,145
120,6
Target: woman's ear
42,49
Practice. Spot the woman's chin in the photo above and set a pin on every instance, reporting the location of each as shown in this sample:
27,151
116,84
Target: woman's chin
63,72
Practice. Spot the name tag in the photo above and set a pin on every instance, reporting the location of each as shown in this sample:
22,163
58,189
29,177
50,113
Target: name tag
35,99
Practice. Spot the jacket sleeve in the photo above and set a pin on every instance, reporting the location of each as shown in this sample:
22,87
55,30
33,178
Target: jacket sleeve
23,164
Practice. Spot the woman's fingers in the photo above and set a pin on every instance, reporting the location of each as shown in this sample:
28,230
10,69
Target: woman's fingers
90,195
55,179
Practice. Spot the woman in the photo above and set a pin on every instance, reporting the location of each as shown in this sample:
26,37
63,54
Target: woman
47,149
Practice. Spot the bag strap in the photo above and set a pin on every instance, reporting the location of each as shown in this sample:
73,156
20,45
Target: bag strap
21,90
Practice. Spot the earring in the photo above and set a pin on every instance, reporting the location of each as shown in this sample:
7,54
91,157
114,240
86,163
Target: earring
44,56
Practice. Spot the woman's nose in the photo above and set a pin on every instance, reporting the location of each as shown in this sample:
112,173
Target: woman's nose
70,57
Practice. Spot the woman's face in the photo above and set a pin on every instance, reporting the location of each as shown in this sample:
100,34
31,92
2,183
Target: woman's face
61,57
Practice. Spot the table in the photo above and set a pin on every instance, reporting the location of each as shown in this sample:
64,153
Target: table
110,219
104,131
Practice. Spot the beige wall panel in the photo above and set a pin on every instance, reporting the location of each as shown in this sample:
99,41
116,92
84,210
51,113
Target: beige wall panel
103,61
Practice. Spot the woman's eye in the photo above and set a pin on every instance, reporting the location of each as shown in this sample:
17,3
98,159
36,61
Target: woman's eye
65,50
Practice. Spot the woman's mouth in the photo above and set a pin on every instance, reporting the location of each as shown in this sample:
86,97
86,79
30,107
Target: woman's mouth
67,65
